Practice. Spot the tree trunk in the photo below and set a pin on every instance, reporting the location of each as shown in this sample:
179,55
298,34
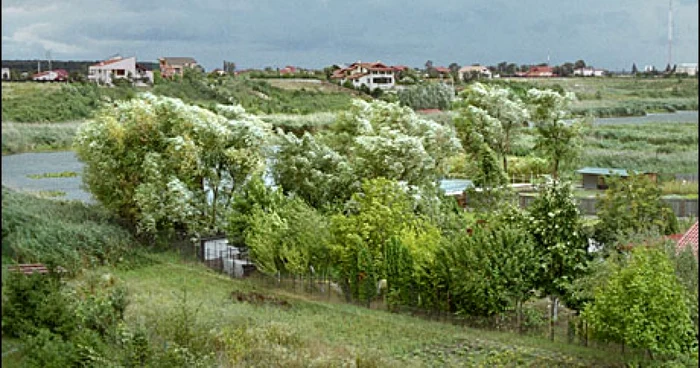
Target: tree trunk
552,315
555,174
519,315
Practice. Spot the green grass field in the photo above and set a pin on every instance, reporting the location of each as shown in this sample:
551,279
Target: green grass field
608,97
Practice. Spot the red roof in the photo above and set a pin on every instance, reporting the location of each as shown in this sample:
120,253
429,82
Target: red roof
690,238
442,69
61,74
400,67
107,62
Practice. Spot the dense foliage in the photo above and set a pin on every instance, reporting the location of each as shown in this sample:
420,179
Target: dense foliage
164,164
632,205
643,305
427,96
72,235
370,140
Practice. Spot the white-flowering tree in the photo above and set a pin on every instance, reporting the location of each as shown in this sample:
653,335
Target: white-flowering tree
491,115
370,140
161,163
558,138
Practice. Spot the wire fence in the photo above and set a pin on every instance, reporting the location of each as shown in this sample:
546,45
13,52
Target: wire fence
532,320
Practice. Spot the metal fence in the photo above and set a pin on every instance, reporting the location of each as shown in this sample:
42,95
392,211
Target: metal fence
682,207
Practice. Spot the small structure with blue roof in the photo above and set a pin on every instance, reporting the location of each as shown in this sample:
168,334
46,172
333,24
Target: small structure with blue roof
594,177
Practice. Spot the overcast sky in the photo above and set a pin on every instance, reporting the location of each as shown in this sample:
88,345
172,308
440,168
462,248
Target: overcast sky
317,33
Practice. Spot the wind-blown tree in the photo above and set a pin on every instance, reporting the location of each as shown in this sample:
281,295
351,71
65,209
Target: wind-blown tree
556,224
429,96
163,164
371,140
557,139
492,115
313,171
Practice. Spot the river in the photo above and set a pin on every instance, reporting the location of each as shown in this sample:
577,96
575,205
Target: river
16,168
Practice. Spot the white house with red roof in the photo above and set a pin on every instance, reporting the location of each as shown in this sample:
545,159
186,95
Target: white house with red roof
108,71
58,75
373,75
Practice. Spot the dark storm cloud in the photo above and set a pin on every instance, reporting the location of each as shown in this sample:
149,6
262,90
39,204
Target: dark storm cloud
315,33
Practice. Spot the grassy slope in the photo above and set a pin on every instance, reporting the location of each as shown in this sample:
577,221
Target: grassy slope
340,331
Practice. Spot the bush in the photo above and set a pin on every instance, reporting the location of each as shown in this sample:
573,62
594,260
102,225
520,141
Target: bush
430,96
36,303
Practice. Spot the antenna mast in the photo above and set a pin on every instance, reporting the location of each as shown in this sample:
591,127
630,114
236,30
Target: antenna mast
670,30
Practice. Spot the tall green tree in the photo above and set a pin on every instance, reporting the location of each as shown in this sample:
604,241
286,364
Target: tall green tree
643,305
558,138
492,115
632,205
555,222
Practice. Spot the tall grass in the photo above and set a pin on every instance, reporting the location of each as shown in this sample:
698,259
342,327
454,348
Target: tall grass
70,234
23,137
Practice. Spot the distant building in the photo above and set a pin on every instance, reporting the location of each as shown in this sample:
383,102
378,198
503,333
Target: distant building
106,72
480,71
288,70
687,68
373,75
540,71
594,177
5,73
170,66
649,68
442,71
58,75
589,72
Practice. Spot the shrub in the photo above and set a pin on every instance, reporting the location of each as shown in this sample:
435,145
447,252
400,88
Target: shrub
35,303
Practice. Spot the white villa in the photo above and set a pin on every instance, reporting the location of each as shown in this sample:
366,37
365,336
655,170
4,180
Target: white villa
373,75
118,68
480,71
688,68
589,72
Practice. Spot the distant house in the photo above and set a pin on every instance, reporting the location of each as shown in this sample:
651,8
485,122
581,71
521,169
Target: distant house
170,66
58,75
687,68
5,73
373,75
442,71
106,72
540,71
478,70
589,72
594,177
288,70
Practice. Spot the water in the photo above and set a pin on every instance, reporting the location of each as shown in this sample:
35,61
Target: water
15,168
677,117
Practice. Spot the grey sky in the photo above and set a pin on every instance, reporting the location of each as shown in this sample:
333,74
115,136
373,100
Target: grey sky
316,33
